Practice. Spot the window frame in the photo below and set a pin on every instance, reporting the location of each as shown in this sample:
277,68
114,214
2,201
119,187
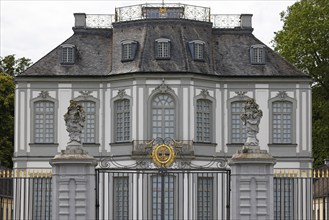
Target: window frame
257,54
194,53
293,119
114,118
212,118
238,98
162,89
133,50
159,55
45,98
65,56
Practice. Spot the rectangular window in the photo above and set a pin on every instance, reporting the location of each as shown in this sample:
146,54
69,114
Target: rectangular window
205,198
283,198
203,120
122,117
41,198
257,54
44,122
163,197
238,130
121,198
88,132
127,51
282,122
198,51
67,55
163,49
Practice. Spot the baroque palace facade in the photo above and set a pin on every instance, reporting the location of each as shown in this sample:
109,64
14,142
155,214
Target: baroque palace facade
152,72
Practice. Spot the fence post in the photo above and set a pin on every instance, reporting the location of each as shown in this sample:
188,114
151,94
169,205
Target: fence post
73,183
252,184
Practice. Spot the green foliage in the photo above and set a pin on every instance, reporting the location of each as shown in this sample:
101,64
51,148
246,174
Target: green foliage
12,66
7,90
9,67
303,41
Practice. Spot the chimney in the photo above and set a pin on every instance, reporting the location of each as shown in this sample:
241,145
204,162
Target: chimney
80,20
245,21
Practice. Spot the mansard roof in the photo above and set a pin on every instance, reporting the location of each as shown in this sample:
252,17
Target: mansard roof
227,51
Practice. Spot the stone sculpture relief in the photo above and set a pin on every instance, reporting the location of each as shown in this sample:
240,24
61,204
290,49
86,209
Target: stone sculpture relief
251,119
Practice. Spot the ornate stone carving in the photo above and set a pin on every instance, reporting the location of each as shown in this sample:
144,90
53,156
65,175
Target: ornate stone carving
204,93
85,93
74,120
251,119
44,94
163,88
121,93
240,93
282,95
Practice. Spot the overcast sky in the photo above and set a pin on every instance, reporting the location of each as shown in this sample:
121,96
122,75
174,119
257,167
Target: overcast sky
31,29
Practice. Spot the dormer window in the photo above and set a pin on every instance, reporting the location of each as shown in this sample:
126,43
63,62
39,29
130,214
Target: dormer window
162,48
68,54
257,54
128,48
197,49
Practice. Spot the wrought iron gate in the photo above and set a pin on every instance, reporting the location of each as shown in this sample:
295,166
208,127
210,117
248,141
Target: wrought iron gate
162,193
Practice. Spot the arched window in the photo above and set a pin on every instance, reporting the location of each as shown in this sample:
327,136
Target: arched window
163,116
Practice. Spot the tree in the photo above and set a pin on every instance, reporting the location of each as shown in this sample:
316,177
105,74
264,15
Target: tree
9,67
12,66
303,41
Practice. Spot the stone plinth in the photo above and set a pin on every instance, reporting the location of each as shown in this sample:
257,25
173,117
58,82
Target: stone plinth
73,185
252,184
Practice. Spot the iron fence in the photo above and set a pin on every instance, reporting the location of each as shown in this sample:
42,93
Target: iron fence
25,195
301,194
162,193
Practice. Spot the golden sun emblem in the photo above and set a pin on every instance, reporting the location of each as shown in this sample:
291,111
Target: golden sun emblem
163,155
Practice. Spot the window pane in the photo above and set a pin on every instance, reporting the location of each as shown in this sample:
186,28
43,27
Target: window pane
163,185
163,116
203,120
44,122
121,198
122,120
88,132
238,130
205,198
282,122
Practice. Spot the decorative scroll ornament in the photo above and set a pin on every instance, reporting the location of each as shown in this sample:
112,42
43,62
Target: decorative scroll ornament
85,93
74,121
44,94
204,93
241,93
282,95
163,155
251,119
121,93
163,88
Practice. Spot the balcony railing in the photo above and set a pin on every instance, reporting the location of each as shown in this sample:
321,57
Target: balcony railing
159,11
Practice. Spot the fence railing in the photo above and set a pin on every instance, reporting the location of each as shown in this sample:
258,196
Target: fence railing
301,193
25,194
163,194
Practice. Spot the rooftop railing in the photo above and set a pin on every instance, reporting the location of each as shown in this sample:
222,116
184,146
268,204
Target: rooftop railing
159,11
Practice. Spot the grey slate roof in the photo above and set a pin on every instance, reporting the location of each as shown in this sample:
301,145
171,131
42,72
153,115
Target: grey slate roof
226,51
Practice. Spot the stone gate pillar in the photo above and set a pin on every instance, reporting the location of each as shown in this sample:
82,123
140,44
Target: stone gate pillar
73,183
252,173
